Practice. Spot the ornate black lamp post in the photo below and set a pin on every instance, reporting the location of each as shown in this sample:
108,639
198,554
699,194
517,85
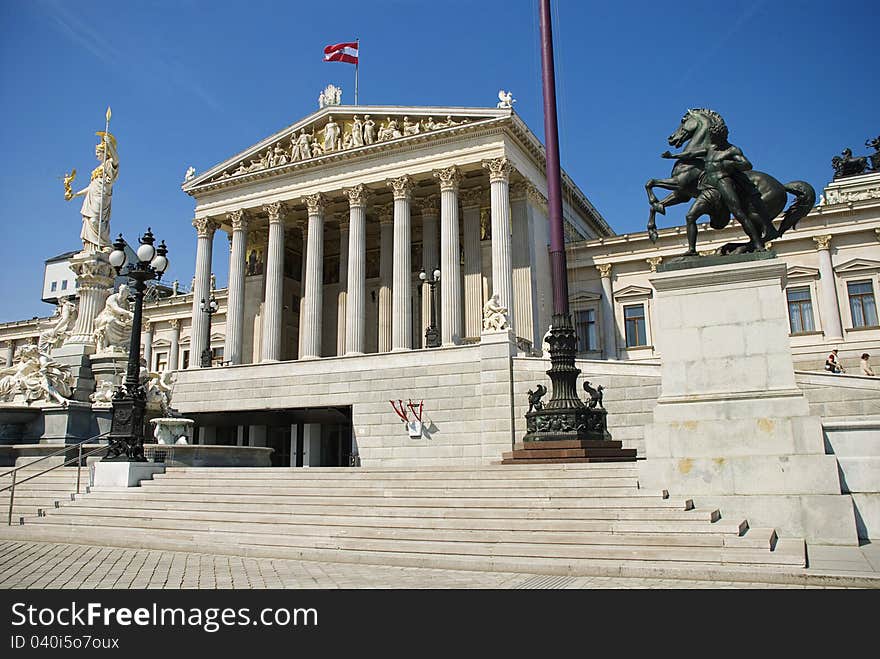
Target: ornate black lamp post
130,400
210,307
432,334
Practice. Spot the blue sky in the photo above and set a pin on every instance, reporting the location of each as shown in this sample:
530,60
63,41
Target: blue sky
192,82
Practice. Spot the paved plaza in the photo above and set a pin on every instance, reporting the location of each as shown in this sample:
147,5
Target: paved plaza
56,566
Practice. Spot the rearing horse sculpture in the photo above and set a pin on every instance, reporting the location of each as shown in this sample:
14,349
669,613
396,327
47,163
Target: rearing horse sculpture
700,129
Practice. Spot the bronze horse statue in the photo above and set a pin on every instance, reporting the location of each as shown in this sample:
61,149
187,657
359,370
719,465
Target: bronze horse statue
761,196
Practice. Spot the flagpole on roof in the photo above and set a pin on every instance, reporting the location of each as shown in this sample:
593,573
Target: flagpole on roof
358,48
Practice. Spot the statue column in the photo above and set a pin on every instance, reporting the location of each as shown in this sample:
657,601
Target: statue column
430,260
205,228
174,352
473,277
386,268
10,352
828,302
342,295
235,302
312,327
609,326
450,269
147,341
274,301
502,271
401,288
94,283
356,276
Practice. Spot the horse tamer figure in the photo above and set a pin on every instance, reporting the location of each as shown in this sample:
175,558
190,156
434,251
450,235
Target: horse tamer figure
720,179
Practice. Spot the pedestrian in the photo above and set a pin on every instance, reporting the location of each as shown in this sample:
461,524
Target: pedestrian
866,367
832,363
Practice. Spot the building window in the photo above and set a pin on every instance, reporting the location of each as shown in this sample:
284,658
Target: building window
800,310
585,326
64,285
216,356
161,361
861,304
185,359
634,319
54,286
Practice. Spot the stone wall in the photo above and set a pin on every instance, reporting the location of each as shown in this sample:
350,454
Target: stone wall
840,396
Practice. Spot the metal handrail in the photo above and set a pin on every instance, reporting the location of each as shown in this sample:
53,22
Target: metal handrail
64,449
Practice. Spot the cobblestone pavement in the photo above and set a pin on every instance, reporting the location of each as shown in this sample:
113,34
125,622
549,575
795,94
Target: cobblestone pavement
56,565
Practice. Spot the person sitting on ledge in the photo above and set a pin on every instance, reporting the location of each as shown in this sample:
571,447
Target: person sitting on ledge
832,363
866,367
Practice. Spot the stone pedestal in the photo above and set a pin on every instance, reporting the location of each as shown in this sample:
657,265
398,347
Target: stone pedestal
731,428
123,474
108,371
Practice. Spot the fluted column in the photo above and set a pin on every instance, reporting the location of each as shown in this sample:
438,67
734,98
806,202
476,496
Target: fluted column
274,301
314,277
450,270
829,304
502,271
342,295
609,326
401,287
205,228
147,341
174,352
10,352
235,302
473,277
430,259
386,270
304,233
356,277
94,283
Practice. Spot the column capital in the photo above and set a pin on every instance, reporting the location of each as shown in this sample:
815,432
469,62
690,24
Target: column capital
401,187
9,343
344,219
604,270
519,189
823,242
315,203
654,261
449,178
430,205
237,219
148,326
358,195
274,211
499,169
471,197
175,324
385,213
205,227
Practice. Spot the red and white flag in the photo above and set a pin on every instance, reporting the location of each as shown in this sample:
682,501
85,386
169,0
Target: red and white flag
342,52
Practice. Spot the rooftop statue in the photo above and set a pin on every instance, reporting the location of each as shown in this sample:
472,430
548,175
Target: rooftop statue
98,194
719,178
847,165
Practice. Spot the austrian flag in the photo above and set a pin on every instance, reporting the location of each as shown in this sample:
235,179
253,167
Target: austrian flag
342,52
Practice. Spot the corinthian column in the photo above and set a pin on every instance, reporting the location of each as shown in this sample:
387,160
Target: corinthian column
355,311
386,269
473,276
147,335
174,352
502,271
609,326
235,302
401,291
94,283
430,259
274,301
828,302
342,296
205,228
450,271
314,277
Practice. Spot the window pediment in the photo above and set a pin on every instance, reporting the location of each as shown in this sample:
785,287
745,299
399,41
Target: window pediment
633,293
801,272
858,266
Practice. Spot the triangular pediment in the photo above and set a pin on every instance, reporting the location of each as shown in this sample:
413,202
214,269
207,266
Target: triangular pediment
341,131
858,265
161,343
802,272
633,292
584,297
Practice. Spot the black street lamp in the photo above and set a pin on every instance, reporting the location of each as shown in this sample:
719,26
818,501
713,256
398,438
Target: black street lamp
210,307
130,400
432,335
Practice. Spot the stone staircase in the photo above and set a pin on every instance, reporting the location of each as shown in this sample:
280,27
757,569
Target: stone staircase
45,492
554,519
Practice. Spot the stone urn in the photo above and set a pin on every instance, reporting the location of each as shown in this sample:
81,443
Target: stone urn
173,430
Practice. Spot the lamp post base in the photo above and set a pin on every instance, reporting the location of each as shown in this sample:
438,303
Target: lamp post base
127,430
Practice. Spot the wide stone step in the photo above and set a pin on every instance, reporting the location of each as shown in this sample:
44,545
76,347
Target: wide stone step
484,471
447,483
312,473
576,558
697,525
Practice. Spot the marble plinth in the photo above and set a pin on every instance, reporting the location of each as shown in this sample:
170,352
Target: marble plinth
731,428
123,474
